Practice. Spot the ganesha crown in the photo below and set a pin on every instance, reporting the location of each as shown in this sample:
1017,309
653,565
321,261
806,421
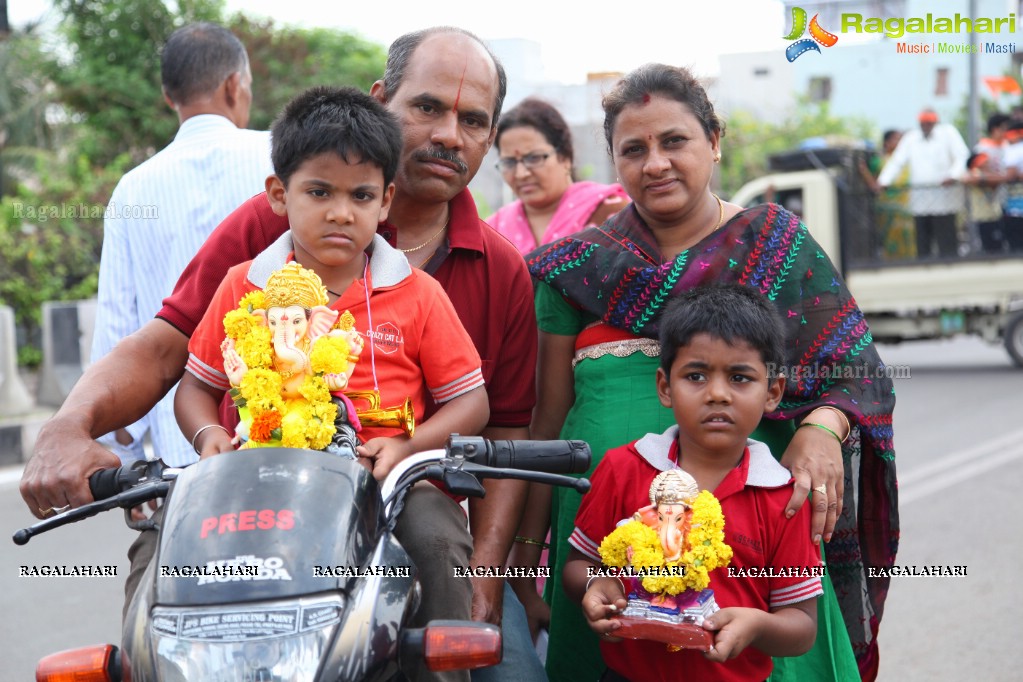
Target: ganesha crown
674,486
294,285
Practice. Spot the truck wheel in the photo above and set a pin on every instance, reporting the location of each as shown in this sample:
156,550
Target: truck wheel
1014,338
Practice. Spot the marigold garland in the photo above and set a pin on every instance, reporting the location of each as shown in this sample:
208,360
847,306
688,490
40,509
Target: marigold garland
306,423
706,550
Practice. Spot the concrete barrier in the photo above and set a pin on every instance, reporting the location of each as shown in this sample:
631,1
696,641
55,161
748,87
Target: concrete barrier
67,341
14,397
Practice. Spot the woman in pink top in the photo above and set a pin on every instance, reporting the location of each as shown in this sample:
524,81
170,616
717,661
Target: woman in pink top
535,147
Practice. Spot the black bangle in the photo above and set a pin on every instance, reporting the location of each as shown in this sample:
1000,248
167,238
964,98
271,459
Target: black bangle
531,541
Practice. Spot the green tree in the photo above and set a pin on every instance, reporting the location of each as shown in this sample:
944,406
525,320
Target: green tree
50,240
749,141
75,123
25,94
287,60
111,76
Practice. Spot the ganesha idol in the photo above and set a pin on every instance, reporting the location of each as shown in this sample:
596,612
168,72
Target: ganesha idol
665,553
288,357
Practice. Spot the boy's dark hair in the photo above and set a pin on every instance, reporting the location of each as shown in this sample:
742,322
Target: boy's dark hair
197,58
996,120
343,121
730,312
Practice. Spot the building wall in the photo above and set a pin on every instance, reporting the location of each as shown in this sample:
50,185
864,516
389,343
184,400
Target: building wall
762,83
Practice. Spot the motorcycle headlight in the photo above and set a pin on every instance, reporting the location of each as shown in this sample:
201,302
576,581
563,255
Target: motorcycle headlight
274,641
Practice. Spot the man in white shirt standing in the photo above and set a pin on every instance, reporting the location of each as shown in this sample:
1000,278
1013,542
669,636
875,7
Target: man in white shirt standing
936,154
161,212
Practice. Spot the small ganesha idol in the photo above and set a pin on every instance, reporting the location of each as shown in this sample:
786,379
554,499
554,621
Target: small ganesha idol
666,553
288,357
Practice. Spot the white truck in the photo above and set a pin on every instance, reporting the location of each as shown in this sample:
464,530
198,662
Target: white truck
903,300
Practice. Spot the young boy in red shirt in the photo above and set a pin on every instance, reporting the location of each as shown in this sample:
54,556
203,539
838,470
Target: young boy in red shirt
719,348
335,153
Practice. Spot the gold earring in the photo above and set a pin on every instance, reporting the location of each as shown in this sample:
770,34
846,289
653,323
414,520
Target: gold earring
717,157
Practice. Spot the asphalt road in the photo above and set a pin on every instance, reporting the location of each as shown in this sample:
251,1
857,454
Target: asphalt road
959,438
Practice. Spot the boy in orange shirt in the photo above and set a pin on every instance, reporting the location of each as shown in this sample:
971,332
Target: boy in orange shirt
335,154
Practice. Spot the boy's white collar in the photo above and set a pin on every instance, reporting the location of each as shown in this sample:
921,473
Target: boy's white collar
387,267
764,470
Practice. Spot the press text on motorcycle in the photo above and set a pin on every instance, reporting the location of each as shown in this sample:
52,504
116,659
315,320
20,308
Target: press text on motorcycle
362,571
502,571
249,519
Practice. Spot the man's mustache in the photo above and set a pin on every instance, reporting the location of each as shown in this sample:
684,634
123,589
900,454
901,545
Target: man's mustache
441,154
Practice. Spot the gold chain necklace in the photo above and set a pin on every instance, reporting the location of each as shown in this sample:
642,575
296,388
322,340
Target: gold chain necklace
435,235
721,212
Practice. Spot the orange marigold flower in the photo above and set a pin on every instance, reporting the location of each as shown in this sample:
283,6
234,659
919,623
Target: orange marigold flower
263,425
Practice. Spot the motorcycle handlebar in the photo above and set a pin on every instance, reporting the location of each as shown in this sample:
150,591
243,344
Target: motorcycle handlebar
551,456
109,482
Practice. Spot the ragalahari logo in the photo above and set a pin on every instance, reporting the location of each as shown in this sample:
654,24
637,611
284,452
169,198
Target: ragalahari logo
817,35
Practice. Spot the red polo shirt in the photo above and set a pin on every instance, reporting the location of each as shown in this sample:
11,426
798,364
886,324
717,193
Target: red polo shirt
753,498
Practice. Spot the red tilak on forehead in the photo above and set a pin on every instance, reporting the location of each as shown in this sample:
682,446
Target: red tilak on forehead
458,96
646,98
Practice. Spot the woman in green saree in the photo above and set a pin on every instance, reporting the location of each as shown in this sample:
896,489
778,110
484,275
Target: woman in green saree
599,295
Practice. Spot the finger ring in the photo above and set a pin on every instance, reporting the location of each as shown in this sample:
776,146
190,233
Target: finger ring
44,512
57,510
822,489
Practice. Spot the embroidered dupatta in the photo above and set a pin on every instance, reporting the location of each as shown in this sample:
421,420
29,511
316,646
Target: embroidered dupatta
615,273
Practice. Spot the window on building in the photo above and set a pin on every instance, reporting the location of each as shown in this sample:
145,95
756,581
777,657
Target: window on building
941,81
820,89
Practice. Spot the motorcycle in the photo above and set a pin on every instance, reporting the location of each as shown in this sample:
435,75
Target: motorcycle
281,565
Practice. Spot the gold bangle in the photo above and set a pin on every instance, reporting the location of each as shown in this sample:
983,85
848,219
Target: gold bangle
531,541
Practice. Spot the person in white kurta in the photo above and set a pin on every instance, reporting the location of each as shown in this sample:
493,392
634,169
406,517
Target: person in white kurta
936,155
161,212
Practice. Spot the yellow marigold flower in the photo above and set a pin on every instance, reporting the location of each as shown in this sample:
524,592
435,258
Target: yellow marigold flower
261,389
252,300
319,433
666,584
707,549
329,355
325,412
238,323
293,427
632,535
314,389
255,348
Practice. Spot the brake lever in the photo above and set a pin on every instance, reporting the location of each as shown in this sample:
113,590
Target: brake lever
128,499
581,485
